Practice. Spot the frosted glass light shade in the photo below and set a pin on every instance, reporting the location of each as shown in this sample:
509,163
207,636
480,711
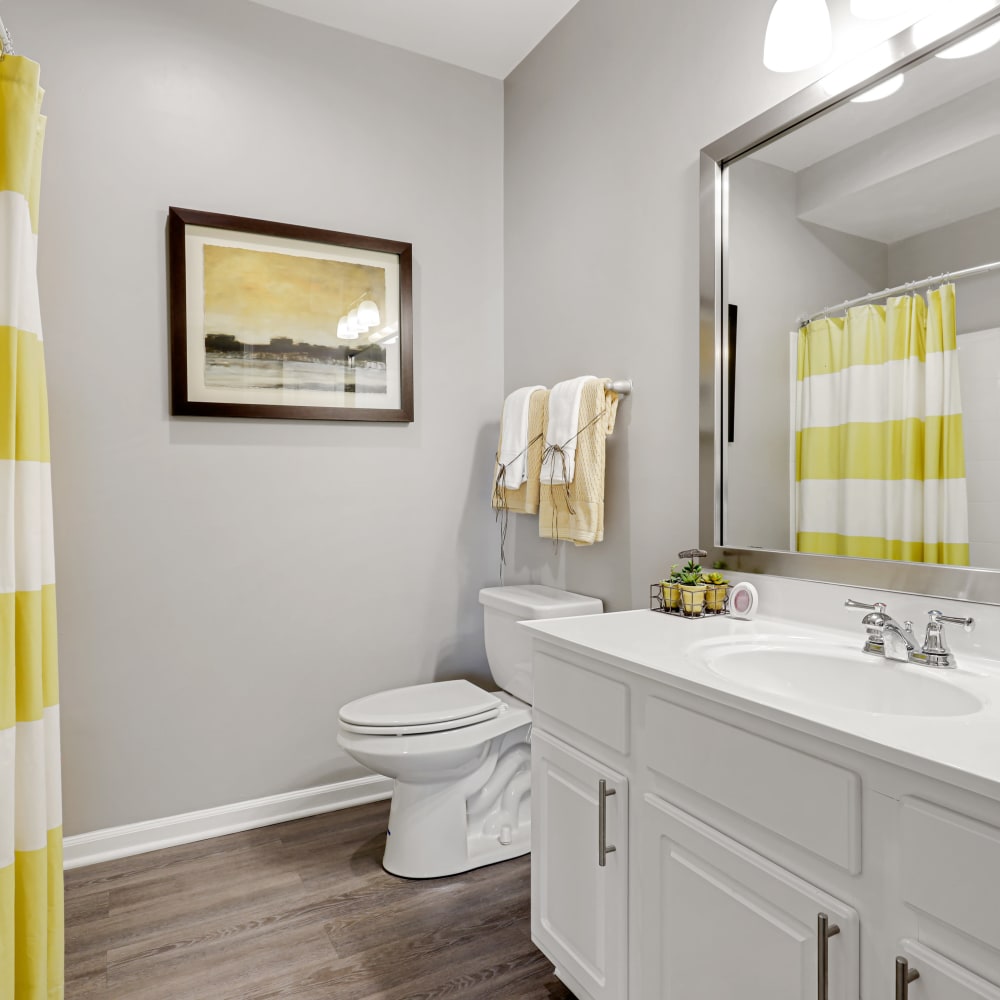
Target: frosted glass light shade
948,18
368,314
979,42
885,89
876,10
344,330
799,35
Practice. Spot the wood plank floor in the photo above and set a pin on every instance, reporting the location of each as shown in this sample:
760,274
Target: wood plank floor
301,910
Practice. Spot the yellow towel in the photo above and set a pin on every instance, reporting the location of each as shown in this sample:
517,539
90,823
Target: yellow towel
576,512
524,500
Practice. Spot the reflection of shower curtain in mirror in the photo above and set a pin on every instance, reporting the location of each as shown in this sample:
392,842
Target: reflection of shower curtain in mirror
879,463
31,888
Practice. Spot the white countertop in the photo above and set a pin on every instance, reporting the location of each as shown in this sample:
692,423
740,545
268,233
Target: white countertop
961,749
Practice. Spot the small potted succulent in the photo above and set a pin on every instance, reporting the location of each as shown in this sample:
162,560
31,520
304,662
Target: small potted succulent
692,589
670,588
716,588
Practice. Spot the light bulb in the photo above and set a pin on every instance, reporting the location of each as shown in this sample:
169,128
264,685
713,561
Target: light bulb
944,21
860,68
885,89
368,314
979,42
799,35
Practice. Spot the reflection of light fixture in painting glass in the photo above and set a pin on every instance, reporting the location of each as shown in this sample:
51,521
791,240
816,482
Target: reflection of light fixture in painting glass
344,331
798,36
979,42
885,89
352,322
368,314
876,10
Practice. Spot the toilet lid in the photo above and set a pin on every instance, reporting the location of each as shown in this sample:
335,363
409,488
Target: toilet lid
422,708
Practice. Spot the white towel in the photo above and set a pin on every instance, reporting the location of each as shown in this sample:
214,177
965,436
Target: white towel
514,436
559,457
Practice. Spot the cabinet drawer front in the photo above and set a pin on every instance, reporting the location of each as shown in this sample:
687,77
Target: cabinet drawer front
809,801
943,979
949,862
589,702
723,922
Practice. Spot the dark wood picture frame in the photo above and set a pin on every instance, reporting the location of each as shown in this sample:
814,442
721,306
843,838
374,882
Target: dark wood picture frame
389,384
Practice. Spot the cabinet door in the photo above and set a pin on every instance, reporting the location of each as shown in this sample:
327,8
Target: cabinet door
720,921
579,907
942,979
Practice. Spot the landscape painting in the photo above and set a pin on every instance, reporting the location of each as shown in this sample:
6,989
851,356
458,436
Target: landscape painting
272,320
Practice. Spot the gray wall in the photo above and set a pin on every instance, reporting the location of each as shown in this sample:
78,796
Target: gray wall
225,585
604,123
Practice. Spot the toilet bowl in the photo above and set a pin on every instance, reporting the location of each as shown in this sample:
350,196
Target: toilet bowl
459,755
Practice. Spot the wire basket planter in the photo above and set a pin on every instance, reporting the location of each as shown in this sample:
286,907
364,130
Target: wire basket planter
705,601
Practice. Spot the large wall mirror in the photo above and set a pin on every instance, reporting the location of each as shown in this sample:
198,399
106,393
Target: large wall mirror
850,272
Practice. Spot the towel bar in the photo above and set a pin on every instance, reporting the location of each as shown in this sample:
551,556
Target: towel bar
622,386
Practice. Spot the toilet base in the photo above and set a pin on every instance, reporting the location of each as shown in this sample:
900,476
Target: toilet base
487,852
452,827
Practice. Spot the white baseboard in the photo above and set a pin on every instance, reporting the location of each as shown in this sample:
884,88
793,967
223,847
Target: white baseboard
151,835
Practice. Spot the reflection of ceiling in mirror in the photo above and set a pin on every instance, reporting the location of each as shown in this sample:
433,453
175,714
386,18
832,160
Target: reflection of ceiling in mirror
924,158
933,83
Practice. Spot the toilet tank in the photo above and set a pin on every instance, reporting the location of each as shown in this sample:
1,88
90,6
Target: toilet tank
508,647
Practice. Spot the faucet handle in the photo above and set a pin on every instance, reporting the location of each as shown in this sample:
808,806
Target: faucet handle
968,624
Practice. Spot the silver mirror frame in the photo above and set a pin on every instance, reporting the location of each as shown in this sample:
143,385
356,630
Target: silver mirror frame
962,583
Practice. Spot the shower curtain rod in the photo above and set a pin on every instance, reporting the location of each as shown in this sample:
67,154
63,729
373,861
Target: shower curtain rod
6,42
910,286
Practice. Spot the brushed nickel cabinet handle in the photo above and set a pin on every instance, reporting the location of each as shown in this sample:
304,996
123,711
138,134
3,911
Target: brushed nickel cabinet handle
603,847
824,931
904,976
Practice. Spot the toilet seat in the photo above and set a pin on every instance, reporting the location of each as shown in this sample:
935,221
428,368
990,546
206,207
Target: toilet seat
421,708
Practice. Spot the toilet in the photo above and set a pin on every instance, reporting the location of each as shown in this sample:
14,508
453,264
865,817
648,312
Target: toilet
459,755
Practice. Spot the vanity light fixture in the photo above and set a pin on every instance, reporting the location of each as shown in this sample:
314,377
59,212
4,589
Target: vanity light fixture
861,68
979,42
885,89
799,35
942,22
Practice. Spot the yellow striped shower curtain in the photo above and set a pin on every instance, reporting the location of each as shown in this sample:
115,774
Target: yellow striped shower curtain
879,453
31,894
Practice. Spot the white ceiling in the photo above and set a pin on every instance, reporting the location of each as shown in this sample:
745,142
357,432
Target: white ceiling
487,36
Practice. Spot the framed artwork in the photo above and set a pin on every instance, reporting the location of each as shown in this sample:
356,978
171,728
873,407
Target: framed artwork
273,320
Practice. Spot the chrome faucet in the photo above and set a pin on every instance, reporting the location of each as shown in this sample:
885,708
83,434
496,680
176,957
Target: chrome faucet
886,637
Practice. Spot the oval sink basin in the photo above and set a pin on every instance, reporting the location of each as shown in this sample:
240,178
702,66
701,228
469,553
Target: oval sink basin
823,673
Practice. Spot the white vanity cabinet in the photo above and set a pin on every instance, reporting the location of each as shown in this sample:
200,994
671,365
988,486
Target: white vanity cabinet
579,826
579,872
720,920
768,861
